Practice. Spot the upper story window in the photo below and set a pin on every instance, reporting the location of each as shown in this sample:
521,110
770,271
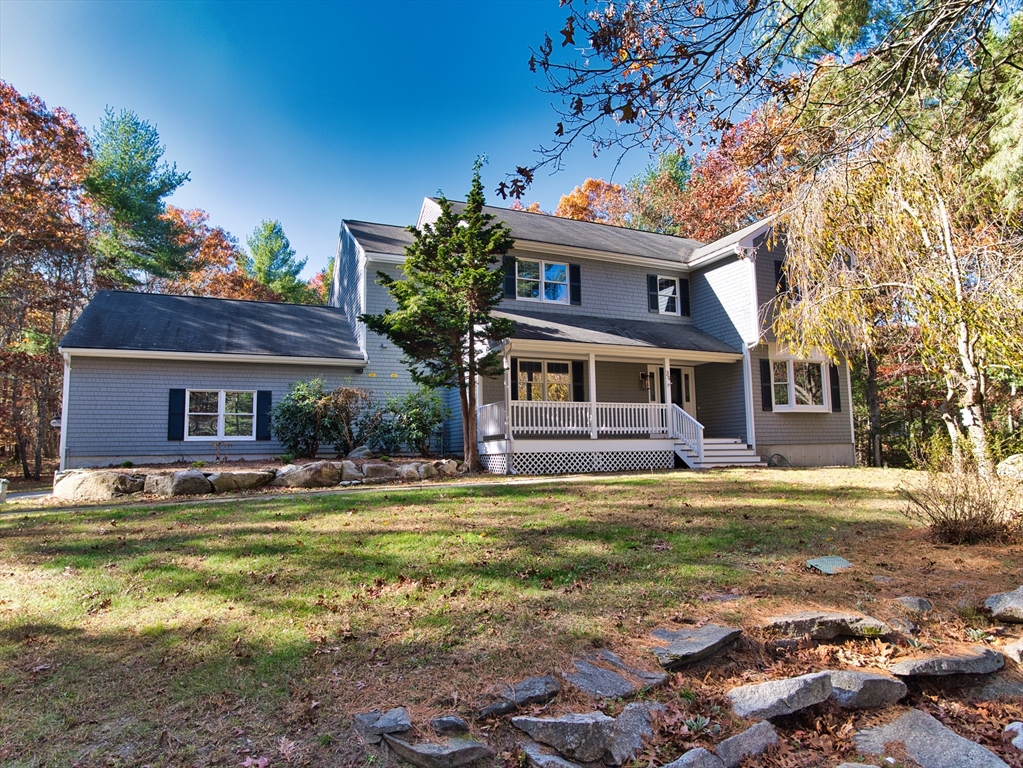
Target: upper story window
541,281
220,415
538,280
667,295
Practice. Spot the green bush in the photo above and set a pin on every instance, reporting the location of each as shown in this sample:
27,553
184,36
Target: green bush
408,421
416,416
309,415
296,419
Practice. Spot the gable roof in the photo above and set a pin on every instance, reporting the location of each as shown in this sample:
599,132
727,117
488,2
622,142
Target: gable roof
564,327
743,238
543,228
380,238
160,323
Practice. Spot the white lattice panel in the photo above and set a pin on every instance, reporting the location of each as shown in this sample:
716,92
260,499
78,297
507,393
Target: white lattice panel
495,463
552,463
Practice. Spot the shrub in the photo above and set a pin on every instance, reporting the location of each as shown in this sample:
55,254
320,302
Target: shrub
961,507
410,420
296,419
416,417
309,415
349,418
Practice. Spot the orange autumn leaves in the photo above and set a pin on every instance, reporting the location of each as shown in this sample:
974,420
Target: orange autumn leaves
217,260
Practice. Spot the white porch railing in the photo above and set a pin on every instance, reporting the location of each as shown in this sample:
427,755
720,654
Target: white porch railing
547,418
687,430
490,421
632,419
544,417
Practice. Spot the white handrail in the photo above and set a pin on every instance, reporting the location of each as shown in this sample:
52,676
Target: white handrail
490,421
632,419
547,417
688,430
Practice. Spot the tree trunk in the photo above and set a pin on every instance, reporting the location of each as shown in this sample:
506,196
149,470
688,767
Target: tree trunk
874,406
952,425
470,449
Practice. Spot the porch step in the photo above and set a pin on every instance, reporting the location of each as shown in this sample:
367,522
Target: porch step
721,452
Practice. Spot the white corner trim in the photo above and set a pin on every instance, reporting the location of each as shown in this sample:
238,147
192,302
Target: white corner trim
747,376
212,357
65,397
848,384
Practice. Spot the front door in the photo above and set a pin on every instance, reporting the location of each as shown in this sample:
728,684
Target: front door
683,387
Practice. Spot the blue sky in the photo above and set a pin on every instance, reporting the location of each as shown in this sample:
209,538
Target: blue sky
308,112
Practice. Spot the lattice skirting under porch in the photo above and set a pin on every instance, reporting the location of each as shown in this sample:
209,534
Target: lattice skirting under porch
555,463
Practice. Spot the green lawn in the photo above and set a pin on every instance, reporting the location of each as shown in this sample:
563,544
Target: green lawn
212,634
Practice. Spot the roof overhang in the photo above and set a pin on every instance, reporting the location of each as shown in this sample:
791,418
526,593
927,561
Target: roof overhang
571,251
736,244
211,357
618,352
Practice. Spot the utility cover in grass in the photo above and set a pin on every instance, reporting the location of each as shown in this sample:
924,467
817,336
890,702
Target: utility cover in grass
830,565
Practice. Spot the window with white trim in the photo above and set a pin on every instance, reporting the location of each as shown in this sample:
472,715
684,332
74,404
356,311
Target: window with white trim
545,380
220,414
798,385
667,295
541,281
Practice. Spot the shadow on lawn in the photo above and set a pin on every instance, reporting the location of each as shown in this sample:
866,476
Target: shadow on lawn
266,554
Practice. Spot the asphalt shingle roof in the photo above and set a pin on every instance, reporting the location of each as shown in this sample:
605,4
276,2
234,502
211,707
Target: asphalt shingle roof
149,322
380,238
540,227
534,326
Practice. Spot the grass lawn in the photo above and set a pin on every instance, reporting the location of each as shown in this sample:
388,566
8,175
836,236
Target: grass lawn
215,634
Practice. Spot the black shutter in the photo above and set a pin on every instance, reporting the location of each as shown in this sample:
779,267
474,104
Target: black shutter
176,415
781,282
683,298
509,277
264,397
578,374
575,286
653,304
836,392
514,378
766,400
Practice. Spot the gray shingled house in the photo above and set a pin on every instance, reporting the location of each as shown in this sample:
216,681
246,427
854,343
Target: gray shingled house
631,350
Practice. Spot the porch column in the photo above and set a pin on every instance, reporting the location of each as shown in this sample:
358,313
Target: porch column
667,397
592,370
507,392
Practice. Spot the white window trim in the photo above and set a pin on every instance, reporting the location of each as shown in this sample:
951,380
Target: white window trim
221,398
678,295
544,363
543,271
777,355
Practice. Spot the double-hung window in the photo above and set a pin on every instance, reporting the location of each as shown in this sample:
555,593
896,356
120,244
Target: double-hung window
541,281
667,295
212,414
798,385
544,380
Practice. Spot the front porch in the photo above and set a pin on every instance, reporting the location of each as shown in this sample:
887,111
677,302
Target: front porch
584,394
531,437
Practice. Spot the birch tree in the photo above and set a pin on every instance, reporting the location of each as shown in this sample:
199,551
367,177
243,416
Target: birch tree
911,237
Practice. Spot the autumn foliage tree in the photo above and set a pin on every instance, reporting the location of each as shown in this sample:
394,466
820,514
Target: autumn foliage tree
44,267
596,200
217,262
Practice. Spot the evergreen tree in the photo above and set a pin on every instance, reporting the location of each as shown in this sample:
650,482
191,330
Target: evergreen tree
443,322
272,263
133,240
